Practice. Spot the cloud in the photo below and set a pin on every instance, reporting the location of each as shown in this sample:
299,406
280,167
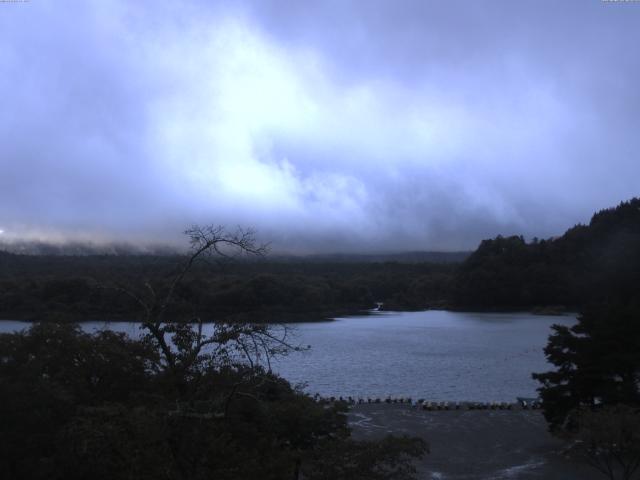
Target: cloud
327,125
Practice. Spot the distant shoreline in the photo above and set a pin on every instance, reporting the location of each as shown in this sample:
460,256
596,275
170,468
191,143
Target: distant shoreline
313,317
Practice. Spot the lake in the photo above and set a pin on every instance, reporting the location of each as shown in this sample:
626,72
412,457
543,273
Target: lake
436,355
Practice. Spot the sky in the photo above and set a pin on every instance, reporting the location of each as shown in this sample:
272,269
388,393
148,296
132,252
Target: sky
328,126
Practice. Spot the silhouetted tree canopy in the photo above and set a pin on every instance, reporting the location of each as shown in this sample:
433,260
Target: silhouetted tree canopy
597,363
600,261
176,403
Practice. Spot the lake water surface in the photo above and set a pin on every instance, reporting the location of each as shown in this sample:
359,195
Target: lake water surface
436,355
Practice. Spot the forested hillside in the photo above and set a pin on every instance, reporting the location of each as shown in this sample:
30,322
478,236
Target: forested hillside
598,261
591,262
88,287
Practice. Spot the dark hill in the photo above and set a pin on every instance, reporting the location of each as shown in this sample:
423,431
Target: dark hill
598,261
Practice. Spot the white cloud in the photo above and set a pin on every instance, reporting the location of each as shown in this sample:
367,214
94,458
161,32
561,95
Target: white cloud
139,119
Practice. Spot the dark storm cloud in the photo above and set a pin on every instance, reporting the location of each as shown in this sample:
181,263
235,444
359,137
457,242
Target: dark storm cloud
327,125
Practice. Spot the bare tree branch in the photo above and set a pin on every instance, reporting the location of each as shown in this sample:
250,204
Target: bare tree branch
184,347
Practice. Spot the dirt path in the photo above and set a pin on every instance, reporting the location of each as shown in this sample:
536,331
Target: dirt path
474,444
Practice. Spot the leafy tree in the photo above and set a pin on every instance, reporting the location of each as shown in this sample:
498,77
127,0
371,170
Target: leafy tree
608,439
46,373
597,360
592,399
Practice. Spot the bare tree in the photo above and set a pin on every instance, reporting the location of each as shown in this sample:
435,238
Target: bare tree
184,347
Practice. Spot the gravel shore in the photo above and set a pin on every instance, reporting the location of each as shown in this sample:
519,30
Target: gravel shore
474,444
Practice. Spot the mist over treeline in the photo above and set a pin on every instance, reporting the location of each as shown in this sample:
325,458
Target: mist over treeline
426,127
600,260
78,248
71,248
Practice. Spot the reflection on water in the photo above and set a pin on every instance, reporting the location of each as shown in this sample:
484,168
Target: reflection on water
436,355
